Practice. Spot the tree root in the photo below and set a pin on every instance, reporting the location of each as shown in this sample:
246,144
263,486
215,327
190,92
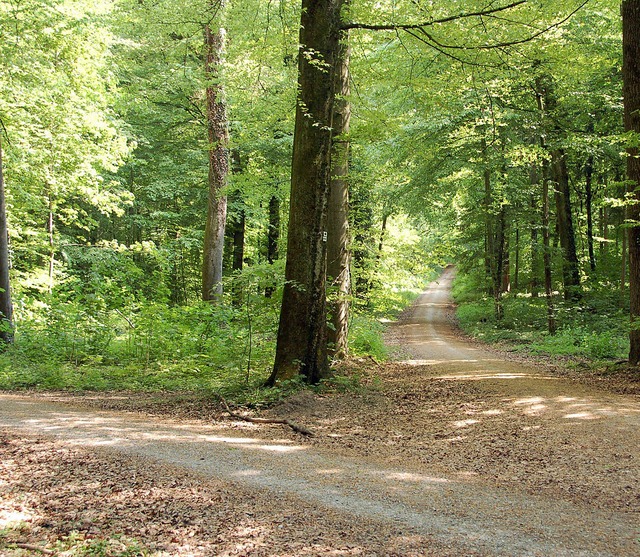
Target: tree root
293,425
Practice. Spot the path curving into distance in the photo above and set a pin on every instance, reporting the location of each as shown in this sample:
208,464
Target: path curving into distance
471,518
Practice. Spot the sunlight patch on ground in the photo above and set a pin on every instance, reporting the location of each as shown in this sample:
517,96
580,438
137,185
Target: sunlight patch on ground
410,477
464,423
9,518
436,362
582,416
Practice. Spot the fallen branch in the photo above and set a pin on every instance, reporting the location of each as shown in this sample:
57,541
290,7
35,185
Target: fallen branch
33,547
294,426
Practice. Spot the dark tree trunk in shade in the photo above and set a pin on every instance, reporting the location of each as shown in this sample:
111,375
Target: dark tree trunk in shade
499,262
534,285
6,306
631,96
301,347
588,174
218,136
570,265
546,253
338,241
273,237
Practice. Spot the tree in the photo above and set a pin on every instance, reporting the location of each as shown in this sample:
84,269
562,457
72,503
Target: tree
6,307
631,96
218,134
338,241
302,332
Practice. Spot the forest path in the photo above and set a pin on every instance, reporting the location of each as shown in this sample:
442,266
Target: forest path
460,452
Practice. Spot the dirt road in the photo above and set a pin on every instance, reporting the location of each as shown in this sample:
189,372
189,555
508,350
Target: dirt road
459,452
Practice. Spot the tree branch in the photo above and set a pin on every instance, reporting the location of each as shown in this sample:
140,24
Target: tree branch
409,26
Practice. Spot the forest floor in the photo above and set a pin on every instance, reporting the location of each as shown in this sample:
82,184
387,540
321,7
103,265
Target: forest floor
451,450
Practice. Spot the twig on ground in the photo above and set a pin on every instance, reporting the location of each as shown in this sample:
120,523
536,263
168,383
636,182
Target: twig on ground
284,421
33,547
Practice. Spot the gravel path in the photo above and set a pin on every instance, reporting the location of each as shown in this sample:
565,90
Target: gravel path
459,514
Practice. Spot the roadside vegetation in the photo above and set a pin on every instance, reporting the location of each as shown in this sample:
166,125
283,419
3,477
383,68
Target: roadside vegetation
595,330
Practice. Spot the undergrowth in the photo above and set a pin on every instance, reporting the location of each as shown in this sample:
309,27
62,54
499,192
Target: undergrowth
594,328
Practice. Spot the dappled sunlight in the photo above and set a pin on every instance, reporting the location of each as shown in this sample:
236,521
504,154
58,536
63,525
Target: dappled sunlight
464,423
410,477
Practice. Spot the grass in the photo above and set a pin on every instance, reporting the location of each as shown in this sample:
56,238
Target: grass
595,328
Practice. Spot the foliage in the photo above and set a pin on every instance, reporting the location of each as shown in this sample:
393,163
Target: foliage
596,329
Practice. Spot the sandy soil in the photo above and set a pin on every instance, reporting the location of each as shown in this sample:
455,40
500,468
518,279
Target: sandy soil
452,450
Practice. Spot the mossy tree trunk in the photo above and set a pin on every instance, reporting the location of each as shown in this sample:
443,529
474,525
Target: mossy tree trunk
301,347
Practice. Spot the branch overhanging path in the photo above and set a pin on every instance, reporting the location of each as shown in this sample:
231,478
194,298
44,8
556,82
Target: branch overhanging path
470,516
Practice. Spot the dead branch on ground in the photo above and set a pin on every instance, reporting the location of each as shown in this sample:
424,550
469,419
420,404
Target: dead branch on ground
284,421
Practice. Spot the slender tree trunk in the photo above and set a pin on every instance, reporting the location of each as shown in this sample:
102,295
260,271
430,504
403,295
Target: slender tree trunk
506,257
588,173
546,254
273,237
498,268
52,251
488,217
534,284
338,242
623,269
570,266
302,333
218,136
631,96
516,271
6,306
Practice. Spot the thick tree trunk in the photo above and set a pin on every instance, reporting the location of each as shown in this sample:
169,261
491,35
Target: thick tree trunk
570,266
338,242
218,136
301,347
631,95
6,306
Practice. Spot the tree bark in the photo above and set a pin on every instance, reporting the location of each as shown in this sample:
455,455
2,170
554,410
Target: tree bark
338,241
6,306
218,136
631,97
273,237
588,174
301,347
570,265
546,253
488,217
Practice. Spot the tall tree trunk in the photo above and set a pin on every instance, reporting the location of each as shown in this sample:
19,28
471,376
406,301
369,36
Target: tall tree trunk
52,250
338,242
499,262
488,217
302,333
6,306
546,253
273,237
631,96
218,136
534,284
588,173
570,265
516,271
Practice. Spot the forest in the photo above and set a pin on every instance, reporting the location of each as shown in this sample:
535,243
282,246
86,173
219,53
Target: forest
219,195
